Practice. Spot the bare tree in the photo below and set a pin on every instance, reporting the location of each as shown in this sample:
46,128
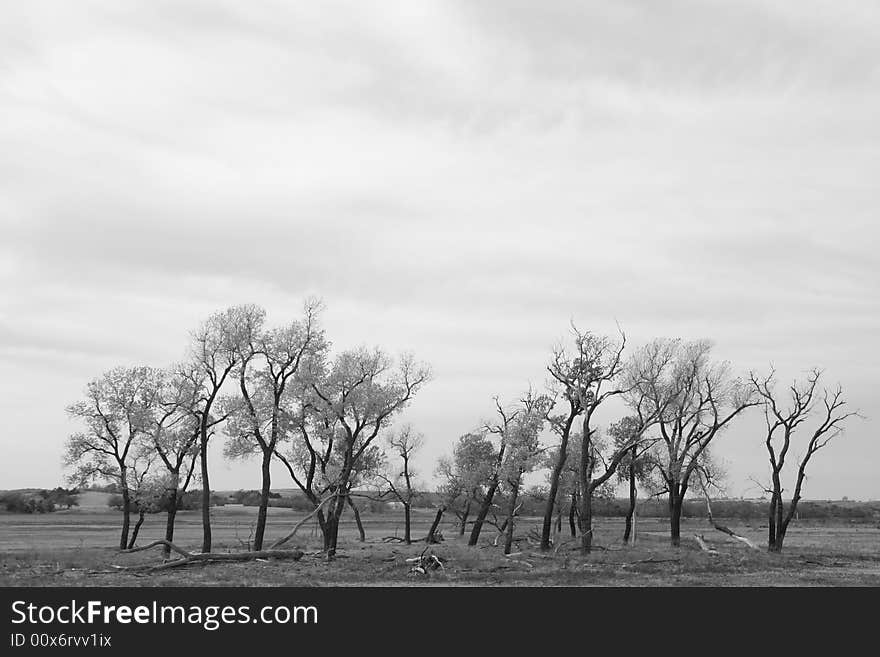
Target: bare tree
783,415
359,396
402,445
217,349
117,413
693,400
269,361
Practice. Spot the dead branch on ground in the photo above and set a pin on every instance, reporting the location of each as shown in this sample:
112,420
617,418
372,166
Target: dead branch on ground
206,557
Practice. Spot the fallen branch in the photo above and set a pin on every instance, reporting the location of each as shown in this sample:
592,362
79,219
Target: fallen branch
425,562
702,543
171,546
283,540
521,561
722,528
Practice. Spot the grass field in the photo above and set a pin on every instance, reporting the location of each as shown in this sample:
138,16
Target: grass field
76,549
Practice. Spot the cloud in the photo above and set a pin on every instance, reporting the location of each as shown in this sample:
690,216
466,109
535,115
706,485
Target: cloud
460,179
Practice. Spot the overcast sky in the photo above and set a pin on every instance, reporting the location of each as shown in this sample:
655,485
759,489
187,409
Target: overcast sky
458,179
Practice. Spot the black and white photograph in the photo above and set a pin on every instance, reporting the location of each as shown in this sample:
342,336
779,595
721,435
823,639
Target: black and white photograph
435,294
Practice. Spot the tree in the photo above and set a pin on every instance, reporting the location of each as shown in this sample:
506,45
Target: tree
403,445
356,399
587,376
117,412
175,431
308,453
217,348
500,428
636,466
511,426
269,362
522,454
464,476
63,497
693,400
146,492
783,415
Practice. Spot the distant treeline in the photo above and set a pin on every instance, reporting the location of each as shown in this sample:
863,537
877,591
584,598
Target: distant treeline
47,501
38,501
533,505
742,509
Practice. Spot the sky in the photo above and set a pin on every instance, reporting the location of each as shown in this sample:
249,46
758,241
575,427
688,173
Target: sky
456,179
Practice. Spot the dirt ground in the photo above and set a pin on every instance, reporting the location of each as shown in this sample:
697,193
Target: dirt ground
75,549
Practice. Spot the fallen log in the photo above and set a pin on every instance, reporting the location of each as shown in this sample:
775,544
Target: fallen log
207,557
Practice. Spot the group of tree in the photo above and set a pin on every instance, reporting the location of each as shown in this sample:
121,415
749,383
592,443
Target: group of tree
274,392
677,401
280,395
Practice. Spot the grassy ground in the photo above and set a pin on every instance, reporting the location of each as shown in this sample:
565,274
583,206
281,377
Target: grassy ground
73,549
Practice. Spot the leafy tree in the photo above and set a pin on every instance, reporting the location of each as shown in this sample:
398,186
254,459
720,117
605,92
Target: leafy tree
345,406
523,451
117,412
636,467
465,476
270,361
217,351
693,400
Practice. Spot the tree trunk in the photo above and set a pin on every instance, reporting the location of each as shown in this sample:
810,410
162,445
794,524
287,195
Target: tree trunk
335,512
136,530
585,476
464,517
206,489
780,538
407,523
632,497
781,525
771,523
572,516
260,530
126,510
431,538
511,513
357,518
585,521
558,528
483,512
555,475
676,501
169,523
331,532
322,524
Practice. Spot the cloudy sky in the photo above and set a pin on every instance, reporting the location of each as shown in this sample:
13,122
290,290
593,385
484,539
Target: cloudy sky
458,179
